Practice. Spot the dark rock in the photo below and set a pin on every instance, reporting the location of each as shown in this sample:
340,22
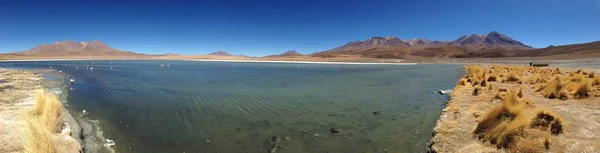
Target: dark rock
336,130
274,139
377,112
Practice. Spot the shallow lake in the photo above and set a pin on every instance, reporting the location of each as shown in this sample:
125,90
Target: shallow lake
228,107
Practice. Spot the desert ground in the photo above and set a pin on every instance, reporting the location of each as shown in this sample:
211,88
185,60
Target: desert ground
521,109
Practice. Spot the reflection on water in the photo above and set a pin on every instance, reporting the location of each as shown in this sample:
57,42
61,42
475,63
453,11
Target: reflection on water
236,107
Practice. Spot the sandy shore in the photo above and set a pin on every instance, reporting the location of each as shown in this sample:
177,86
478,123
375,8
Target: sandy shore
463,118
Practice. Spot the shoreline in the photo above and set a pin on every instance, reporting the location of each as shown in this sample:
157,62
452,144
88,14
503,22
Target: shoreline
18,92
20,88
86,131
216,60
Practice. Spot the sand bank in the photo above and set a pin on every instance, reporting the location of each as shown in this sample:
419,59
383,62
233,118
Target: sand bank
573,126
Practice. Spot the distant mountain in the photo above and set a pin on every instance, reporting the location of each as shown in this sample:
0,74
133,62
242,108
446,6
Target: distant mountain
220,53
72,48
490,39
290,53
169,54
393,47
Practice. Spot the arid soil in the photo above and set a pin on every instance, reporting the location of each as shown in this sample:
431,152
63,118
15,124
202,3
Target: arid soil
475,121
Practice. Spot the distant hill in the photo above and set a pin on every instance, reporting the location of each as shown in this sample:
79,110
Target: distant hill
169,54
220,53
393,47
72,48
290,53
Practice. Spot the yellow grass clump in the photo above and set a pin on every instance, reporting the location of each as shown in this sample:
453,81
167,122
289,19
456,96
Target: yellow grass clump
507,125
462,82
45,120
51,115
553,89
513,77
596,81
502,122
547,121
581,89
37,139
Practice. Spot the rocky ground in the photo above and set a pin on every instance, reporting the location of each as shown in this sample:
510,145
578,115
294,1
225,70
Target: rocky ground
579,115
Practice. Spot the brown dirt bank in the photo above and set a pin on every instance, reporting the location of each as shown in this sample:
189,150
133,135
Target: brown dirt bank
521,109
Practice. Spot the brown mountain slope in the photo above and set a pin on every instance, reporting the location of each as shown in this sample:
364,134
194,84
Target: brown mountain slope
391,47
72,48
584,50
290,53
220,53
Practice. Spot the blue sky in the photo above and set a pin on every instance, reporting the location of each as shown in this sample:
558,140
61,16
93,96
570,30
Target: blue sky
268,27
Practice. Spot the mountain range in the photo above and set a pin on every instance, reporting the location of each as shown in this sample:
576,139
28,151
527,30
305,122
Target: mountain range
393,47
290,53
72,48
490,45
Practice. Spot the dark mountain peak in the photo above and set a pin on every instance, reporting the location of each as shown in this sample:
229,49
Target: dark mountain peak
220,53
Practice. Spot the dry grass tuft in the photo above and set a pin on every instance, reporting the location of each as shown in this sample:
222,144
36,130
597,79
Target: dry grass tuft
507,125
532,141
37,139
40,98
553,89
582,89
513,77
462,82
45,120
483,83
498,119
596,81
535,78
491,78
547,121
51,111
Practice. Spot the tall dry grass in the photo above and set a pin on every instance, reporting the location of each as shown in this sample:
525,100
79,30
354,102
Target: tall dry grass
581,89
45,120
507,125
51,115
502,122
37,138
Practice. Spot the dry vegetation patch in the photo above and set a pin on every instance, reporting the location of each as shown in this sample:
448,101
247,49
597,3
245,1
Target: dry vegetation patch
521,109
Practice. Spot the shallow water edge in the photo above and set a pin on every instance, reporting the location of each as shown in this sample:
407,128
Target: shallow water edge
86,131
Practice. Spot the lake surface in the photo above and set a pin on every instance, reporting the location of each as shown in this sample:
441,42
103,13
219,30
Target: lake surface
145,107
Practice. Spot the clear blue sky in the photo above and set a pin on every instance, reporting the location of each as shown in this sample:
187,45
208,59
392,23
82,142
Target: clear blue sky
269,27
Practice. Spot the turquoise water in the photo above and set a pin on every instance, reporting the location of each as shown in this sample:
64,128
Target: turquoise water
238,106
